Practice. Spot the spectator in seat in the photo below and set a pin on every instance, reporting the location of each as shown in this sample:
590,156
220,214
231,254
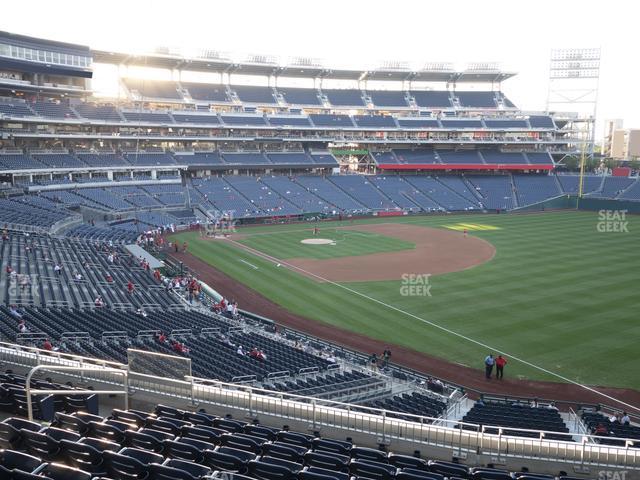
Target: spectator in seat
162,338
23,281
9,269
614,418
22,327
373,361
13,310
229,310
77,276
257,354
386,356
47,345
601,430
130,287
435,385
109,278
57,268
99,302
140,312
180,348
625,420
552,406
191,288
5,233
240,350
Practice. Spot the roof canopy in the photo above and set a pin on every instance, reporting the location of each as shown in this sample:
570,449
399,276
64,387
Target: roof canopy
476,73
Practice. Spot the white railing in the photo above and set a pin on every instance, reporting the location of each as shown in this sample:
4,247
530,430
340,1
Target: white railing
60,368
460,437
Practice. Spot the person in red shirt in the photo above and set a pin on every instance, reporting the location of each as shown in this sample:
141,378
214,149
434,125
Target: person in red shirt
222,305
180,348
162,337
130,287
601,430
47,345
500,363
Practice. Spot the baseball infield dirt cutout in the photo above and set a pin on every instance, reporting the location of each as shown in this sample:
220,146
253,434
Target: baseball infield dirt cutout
436,251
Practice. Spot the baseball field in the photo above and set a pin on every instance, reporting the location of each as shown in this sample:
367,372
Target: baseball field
557,290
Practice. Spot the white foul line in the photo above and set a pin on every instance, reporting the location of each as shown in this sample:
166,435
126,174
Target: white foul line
247,263
447,330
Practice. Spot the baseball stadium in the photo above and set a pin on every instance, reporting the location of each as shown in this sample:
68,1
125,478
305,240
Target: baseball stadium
259,269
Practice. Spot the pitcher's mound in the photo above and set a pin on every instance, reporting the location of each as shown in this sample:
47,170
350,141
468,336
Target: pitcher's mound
317,241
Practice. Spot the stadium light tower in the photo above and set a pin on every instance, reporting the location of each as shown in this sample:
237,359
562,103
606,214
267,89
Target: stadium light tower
574,78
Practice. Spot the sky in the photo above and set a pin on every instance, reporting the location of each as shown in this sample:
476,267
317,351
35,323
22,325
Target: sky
363,34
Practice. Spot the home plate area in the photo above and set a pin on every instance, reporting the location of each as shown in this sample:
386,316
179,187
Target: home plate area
318,241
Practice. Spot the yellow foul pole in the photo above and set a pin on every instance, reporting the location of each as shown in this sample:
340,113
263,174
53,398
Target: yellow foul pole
583,158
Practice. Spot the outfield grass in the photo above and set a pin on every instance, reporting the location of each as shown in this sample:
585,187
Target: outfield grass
558,293
348,243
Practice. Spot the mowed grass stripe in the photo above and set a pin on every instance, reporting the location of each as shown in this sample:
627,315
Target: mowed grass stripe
558,293
348,243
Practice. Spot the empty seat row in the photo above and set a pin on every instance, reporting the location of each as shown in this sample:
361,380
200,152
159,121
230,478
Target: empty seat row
173,444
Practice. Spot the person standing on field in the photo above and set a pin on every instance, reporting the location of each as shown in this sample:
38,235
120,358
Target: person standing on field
489,361
500,363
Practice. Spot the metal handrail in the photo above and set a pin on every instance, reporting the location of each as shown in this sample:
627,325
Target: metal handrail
375,421
115,334
179,332
74,336
29,392
278,374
